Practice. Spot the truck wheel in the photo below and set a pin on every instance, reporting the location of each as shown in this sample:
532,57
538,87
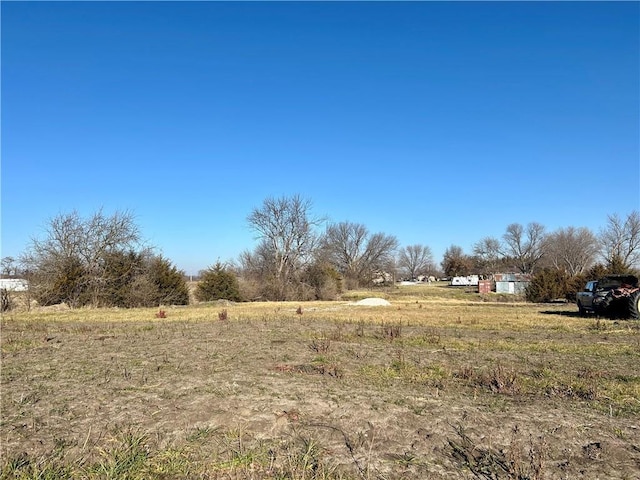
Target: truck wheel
634,307
581,310
603,308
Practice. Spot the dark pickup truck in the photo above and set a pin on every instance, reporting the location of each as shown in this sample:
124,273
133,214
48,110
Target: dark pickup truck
613,296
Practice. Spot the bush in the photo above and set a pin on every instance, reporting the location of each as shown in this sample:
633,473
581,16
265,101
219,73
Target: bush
170,284
141,292
97,261
129,279
323,282
249,289
139,279
123,271
218,283
547,285
64,281
576,284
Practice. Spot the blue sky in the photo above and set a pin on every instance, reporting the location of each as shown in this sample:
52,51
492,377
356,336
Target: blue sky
437,122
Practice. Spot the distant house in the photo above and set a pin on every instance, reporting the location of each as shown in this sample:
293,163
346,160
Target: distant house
14,284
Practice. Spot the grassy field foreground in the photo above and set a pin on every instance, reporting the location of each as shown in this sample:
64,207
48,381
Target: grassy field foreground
441,384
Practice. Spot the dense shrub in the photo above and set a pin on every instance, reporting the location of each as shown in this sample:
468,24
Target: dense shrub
617,265
122,270
129,279
64,281
218,283
597,271
576,284
547,285
249,288
169,284
323,282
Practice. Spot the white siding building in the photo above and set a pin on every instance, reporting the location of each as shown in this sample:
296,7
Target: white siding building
14,284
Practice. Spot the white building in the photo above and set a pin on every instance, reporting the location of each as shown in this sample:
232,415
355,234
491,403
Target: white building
469,280
14,284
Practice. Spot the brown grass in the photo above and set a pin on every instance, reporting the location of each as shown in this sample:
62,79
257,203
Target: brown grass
442,384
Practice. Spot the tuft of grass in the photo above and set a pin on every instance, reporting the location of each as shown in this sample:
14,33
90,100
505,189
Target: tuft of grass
391,331
200,434
496,379
46,467
320,345
519,460
125,458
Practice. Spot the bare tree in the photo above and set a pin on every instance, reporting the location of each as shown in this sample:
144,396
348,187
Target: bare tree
257,263
68,264
488,253
455,262
286,230
102,235
571,249
524,245
620,240
415,260
8,266
357,254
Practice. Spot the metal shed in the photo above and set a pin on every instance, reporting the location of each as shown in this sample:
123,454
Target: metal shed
511,287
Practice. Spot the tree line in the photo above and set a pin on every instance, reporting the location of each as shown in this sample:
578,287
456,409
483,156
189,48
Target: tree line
528,249
559,262
102,261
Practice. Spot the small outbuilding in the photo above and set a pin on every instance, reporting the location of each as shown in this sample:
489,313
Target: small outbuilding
512,283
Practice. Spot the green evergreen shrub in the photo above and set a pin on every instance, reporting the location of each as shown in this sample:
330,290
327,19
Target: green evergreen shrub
218,283
170,284
63,282
547,285
122,269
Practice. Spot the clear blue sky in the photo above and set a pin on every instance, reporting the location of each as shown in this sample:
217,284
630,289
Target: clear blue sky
437,122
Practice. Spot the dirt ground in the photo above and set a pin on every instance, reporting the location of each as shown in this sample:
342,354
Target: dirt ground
343,396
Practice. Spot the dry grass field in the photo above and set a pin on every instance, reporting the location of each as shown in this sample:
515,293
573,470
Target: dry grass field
441,384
